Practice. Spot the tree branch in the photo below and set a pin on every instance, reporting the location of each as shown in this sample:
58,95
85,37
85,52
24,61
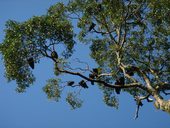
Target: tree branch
100,32
131,85
137,112
107,28
166,93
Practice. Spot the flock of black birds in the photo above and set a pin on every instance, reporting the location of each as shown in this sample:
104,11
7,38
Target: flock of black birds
120,81
95,72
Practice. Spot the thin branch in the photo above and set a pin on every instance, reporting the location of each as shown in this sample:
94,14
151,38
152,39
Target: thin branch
69,15
82,62
137,60
139,104
81,69
137,112
107,28
125,23
146,97
122,66
103,33
138,100
105,74
147,81
166,93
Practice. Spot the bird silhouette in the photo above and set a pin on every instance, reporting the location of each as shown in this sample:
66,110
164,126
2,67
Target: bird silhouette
31,62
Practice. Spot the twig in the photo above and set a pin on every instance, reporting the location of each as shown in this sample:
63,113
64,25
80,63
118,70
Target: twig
78,60
84,70
103,33
137,112
166,93
139,103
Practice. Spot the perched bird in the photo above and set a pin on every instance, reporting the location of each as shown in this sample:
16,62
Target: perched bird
70,83
95,72
54,55
92,26
92,76
121,82
31,62
83,84
130,72
117,90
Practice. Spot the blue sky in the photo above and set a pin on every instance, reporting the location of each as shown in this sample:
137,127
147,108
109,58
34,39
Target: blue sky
33,109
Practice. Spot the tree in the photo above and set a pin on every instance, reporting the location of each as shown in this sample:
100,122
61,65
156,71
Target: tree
129,40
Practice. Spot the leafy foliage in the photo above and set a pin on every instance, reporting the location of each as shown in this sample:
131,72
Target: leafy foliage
128,39
110,99
53,90
73,100
34,38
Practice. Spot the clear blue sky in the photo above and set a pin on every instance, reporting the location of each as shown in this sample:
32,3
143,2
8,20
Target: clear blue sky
33,110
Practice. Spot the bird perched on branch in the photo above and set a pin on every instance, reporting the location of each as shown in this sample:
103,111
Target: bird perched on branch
70,83
92,26
31,62
95,72
120,81
92,76
54,55
83,84
131,70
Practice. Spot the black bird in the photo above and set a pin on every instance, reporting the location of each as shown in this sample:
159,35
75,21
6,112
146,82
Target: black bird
70,83
92,76
117,90
92,26
121,82
54,55
31,62
83,84
130,72
95,72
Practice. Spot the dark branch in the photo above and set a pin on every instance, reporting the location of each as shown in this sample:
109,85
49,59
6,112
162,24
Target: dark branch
166,93
137,112
139,104
131,85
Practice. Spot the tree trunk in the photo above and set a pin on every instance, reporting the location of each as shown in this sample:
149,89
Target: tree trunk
162,104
